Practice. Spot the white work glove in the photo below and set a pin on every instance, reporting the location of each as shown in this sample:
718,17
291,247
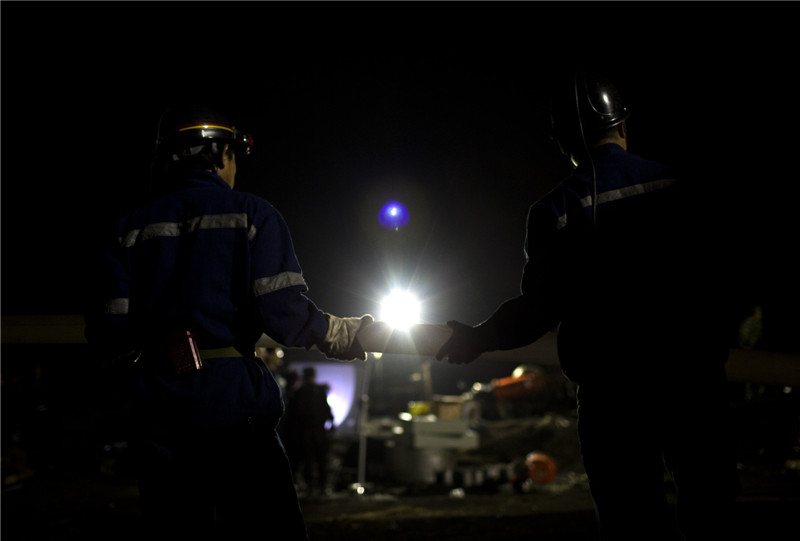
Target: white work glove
341,341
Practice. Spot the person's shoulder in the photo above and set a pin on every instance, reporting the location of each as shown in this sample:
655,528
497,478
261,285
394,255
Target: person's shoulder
256,204
569,190
648,166
251,198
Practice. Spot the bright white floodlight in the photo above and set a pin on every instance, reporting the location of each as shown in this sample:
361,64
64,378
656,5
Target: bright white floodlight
400,309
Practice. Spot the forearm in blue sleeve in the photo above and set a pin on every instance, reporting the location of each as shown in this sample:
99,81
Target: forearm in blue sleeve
290,318
522,320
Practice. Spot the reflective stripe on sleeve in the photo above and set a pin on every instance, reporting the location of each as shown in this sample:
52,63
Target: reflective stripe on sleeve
628,191
175,229
262,286
618,194
116,306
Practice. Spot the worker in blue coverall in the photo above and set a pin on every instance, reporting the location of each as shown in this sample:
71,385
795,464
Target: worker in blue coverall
189,282
621,261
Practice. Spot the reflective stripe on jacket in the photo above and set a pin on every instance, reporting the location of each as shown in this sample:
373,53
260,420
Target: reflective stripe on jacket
633,289
212,260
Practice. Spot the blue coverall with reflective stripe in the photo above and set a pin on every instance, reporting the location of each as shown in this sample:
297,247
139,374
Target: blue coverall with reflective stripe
221,264
214,261
627,270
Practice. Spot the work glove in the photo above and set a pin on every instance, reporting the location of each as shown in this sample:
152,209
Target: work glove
341,340
465,344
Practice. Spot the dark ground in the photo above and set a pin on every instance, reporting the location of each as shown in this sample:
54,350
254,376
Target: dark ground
66,471
77,507
101,503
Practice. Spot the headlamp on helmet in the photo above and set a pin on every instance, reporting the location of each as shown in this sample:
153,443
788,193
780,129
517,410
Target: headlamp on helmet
186,132
203,132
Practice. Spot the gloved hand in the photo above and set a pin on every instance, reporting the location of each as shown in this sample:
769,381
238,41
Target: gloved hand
465,344
341,341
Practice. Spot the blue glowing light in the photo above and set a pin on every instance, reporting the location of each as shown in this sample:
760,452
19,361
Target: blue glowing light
393,215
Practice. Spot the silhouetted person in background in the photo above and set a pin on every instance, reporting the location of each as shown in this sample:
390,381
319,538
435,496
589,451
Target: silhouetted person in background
308,416
751,330
621,261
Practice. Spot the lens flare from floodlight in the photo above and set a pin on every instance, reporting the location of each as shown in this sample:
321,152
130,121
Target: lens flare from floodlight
393,215
400,309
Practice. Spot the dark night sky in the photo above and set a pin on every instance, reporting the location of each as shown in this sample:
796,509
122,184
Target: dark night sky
438,105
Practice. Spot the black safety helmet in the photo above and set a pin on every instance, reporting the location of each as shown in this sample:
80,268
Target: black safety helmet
583,106
601,106
187,131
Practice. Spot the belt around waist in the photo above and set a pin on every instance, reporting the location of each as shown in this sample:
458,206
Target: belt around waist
218,353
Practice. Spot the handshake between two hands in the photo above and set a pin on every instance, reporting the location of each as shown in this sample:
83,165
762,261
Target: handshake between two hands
349,339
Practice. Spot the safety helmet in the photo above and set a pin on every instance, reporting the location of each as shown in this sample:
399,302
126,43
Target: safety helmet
583,106
541,467
600,104
186,131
